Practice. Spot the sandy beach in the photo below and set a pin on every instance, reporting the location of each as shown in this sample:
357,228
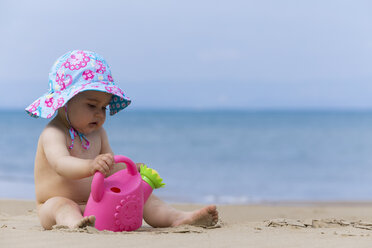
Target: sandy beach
266,225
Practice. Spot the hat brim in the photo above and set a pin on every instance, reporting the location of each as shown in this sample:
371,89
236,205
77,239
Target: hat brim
47,105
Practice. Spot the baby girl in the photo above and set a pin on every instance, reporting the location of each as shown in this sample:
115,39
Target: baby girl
74,145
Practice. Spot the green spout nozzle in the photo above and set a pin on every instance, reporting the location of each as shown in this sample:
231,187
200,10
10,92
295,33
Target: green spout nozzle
151,176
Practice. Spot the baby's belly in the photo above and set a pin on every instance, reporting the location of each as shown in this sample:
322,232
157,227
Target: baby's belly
76,190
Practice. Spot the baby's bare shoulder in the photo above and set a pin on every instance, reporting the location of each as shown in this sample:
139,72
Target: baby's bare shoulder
52,132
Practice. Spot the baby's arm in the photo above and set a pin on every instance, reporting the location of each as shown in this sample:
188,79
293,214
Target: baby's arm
54,145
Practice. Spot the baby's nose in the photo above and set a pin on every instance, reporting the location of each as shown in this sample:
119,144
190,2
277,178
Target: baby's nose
100,114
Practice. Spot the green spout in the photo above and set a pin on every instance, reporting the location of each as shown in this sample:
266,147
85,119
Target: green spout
151,176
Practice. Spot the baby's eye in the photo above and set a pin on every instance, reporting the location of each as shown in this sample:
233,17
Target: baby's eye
91,105
104,108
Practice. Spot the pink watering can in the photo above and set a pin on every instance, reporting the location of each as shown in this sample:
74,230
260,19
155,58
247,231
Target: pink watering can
117,201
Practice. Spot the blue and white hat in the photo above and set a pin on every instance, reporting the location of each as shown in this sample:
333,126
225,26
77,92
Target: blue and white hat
75,72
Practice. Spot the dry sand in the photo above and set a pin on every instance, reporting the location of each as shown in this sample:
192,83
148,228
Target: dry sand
267,225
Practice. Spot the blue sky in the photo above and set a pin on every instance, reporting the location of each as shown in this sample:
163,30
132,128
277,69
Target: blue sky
198,54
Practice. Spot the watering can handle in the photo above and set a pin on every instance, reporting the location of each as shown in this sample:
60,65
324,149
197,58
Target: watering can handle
131,166
97,187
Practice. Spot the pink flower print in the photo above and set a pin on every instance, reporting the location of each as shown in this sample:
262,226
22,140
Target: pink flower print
88,75
109,89
100,67
59,104
49,102
110,79
121,93
63,80
34,106
77,61
114,90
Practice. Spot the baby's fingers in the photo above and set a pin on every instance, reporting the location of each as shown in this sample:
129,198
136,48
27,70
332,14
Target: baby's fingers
103,167
109,159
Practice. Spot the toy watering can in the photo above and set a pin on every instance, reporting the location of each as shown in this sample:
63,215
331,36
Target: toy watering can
117,201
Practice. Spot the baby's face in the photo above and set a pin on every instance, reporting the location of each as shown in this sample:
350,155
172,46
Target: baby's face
87,110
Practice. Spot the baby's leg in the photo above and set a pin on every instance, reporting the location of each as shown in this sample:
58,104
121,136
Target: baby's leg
158,214
62,211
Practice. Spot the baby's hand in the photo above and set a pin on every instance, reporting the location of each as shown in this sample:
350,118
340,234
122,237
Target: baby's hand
102,163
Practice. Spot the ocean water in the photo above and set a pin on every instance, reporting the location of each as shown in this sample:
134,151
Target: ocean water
221,157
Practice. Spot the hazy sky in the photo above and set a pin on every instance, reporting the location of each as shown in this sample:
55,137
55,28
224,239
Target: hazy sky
198,54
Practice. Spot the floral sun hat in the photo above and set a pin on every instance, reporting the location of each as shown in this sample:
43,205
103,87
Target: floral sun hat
75,72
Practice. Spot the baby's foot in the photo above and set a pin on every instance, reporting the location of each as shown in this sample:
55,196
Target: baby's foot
85,221
207,216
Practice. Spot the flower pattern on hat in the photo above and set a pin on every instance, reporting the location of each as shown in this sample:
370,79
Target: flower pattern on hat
76,61
72,73
100,67
63,80
88,75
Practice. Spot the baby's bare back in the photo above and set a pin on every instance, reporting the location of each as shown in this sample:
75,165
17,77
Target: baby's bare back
48,183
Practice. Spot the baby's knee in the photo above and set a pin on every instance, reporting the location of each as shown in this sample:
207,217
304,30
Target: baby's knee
54,203
47,211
